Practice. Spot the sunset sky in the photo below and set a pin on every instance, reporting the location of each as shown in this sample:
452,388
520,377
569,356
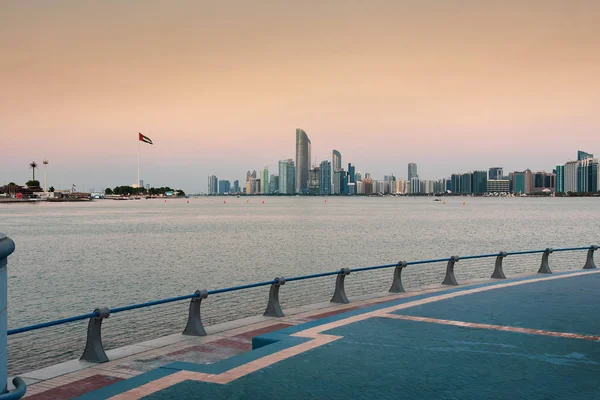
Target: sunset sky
220,87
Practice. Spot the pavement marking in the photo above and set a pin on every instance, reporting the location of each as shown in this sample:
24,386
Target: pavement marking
494,327
320,339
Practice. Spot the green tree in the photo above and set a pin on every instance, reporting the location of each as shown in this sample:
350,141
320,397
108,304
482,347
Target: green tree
108,191
51,189
33,184
180,193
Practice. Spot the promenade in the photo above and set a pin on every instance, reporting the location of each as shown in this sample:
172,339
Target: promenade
531,337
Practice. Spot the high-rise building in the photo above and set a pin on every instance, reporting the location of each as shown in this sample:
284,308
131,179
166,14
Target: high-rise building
479,182
587,173
248,176
325,177
582,155
336,160
224,187
358,177
571,178
412,171
302,161
415,184
498,186
213,185
236,186
336,184
274,184
351,173
314,180
287,177
264,181
496,173
560,179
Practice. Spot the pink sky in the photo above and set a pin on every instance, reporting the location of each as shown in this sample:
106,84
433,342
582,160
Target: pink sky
220,87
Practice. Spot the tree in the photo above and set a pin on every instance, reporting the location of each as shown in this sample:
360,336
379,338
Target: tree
108,191
51,189
180,193
33,165
33,184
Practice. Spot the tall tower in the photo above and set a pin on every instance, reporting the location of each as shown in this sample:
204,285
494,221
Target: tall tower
302,161
412,171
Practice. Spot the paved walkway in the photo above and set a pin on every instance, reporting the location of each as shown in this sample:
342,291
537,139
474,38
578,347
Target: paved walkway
535,338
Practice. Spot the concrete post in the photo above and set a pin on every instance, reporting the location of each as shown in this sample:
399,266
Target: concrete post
339,296
7,246
449,279
273,307
194,325
545,266
498,271
589,261
397,282
94,350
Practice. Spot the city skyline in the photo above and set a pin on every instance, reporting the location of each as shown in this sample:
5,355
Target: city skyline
452,86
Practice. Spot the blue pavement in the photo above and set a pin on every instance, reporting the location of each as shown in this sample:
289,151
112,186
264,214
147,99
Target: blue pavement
385,358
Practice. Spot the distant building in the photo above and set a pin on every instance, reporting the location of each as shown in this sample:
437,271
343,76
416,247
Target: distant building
236,186
498,186
287,177
224,187
495,173
412,171
351,173
325,177
274,184
560,179
336,160
587,174
302,161
415,185
571,181
582,155
479,183
314,180
264,181
213,185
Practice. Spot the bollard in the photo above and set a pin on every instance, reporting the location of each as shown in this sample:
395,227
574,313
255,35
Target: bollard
450,279
498,271
94,351
397,282
273,307
7,246
339,296
194,325
545,267
589,262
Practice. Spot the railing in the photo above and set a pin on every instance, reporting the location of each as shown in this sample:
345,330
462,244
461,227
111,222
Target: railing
94,349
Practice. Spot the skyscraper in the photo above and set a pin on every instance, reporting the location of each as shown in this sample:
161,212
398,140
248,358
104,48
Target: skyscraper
560,178
351,174
479,183
314,180
264,181
571,177
412,171
213,185
273,184
287,177
336,160
236,186
495,173
587,172
302,161
582,155
325,177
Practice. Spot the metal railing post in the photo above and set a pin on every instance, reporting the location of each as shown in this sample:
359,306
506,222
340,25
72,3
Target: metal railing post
194,325
339,296
397,282
589,262
94,350
498,271
449,279
545,267
273,307
7,246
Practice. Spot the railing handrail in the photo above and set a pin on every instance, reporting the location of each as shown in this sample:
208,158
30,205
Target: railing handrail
267,283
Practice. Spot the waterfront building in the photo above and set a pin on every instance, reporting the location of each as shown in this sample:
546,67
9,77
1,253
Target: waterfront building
367,186
358,177
336,184
543,181
314,180
407,187
343,176
498,186
582,155
224,187
325,177
412,171
351,188
587,173
248,176
479,183
560,178
287,177
336,160
274,184
496,173
213,185
571,178
351,173
264,180
360,187
302,161
415,185
236,186
249,186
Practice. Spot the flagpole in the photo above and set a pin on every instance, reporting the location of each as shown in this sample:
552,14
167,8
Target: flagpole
138,181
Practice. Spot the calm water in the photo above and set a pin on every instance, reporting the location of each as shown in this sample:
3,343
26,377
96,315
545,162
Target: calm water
71,258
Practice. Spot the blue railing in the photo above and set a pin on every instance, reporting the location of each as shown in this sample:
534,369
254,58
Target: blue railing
95,352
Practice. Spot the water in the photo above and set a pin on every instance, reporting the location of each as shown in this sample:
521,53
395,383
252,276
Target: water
74,257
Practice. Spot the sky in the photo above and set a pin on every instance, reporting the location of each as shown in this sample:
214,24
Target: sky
220,87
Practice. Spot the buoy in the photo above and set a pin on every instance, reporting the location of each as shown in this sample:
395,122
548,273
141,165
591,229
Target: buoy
444,202
263,202
224,201
165,201
188,202
464,202
325,200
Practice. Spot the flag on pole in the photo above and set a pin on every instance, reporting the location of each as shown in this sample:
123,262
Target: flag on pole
145,139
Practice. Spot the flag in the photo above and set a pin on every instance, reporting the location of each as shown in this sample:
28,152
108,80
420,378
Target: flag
145,139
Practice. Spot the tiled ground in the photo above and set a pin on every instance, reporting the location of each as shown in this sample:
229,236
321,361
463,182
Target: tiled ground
404,348
79,378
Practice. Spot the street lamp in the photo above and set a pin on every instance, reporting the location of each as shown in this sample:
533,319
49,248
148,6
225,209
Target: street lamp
45,162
